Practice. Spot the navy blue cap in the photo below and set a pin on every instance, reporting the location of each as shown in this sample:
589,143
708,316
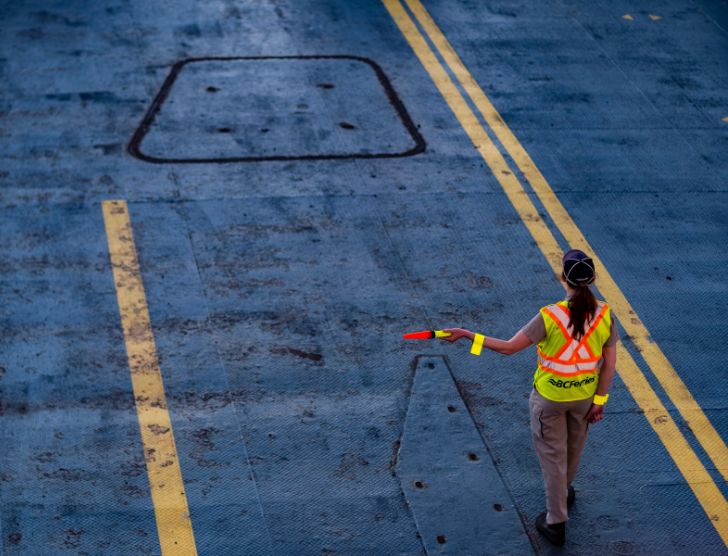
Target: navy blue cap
578,268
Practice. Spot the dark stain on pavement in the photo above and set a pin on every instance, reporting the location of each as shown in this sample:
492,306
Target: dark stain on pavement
69,475
297,352
73,538
349,463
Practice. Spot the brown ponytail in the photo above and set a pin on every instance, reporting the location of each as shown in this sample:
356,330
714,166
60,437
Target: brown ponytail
583,307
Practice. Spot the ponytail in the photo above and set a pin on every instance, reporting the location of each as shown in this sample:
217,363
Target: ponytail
583,307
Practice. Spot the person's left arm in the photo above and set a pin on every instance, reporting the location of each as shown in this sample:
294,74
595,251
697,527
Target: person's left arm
606,374
519,342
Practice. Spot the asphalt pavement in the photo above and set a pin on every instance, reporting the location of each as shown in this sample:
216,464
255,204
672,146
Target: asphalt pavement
219,217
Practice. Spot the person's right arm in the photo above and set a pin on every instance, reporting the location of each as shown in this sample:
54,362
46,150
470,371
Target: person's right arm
518,343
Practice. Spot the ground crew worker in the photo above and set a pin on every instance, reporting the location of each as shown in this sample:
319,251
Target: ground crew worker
569,389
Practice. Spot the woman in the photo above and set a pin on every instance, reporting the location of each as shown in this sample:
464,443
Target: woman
569,389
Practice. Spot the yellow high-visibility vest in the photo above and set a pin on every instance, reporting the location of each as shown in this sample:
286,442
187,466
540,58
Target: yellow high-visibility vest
568,369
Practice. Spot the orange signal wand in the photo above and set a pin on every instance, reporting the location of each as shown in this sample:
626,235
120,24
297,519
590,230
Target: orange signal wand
427,335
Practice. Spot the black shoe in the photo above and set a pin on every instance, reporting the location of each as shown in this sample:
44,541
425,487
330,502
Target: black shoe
571,497
554,533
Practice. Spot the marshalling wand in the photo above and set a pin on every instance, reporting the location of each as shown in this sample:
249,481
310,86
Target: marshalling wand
429,334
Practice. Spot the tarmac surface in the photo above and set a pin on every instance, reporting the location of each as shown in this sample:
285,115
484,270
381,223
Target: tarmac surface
306,181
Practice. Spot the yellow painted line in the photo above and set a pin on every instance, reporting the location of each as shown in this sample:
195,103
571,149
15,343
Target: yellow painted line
475,131
655,17
628,17
165,478
692,469
725,119
660,366
684,457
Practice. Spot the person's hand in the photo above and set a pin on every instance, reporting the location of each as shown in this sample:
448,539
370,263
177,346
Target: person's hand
596,413
457,333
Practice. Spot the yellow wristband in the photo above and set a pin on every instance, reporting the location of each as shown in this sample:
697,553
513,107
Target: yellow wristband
477,344
600,400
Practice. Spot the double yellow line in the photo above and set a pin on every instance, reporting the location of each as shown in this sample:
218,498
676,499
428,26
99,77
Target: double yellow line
697,477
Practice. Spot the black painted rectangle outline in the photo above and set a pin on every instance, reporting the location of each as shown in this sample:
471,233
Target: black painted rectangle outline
136,140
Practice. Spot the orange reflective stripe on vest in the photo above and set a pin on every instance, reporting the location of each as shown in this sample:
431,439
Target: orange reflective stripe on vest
563,356
572,351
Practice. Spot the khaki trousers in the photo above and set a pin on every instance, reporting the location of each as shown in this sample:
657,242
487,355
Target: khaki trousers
559,433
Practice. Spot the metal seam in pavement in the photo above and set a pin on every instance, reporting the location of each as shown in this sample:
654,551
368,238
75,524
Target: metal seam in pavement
682,454
174,523
253,477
